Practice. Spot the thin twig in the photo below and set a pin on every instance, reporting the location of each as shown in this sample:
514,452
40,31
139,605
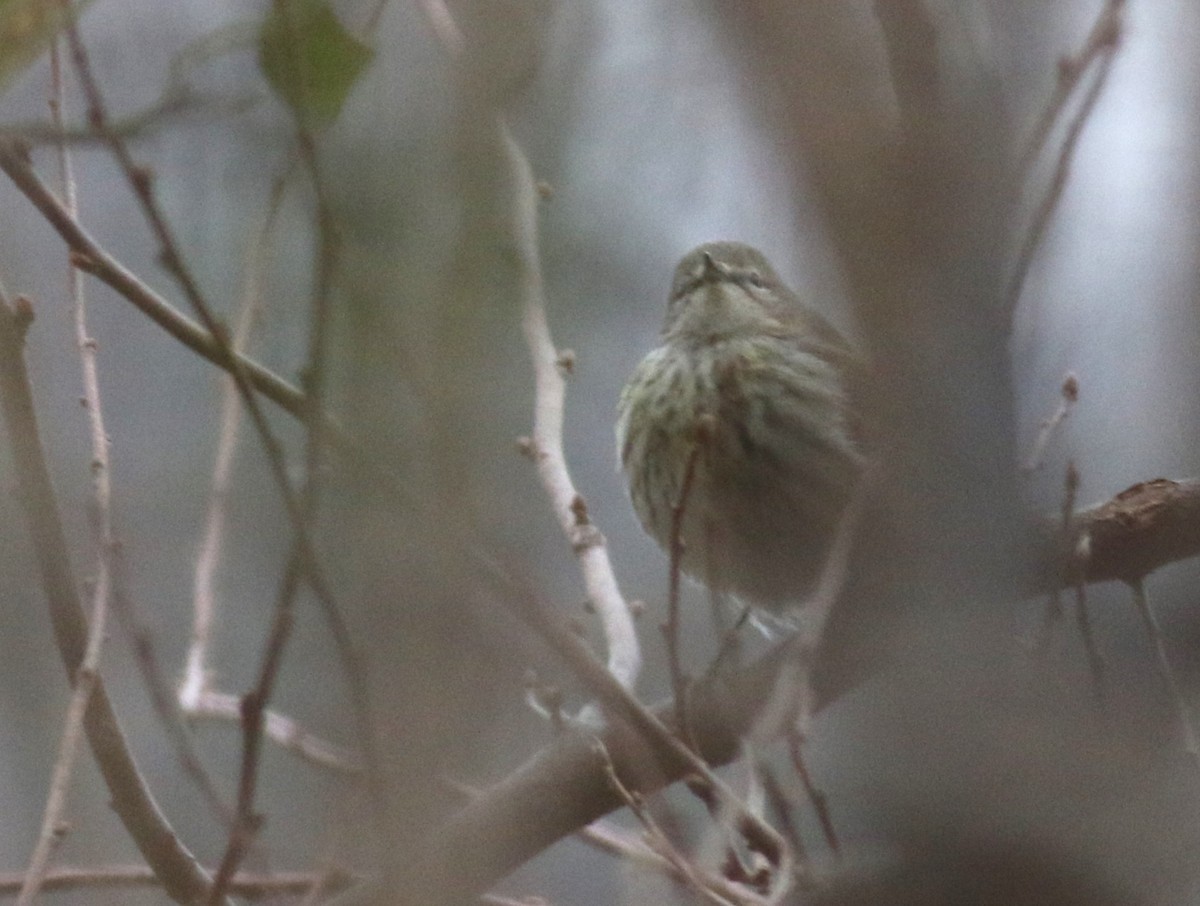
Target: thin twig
711,887
1082,619
1108,32
778,800
84,681
141,182
600,682
589,545
247,821
1101,39
91,257
183,878
282,730
302,559
670,629
1191,741
195,682
196,698
1068,396
1053,611
816,796
1084,622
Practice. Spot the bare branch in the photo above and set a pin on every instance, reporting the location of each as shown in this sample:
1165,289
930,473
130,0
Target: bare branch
182,876
1102,44
195,683
549,364
85,678
1145,527
93,259
282,730
1100,41
1068,396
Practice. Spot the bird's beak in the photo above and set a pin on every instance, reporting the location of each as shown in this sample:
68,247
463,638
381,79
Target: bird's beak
712,271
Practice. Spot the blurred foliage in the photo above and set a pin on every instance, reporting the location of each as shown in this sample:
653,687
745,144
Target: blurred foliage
26,29
309,58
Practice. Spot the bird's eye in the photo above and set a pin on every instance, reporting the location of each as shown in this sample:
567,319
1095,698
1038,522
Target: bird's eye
754,278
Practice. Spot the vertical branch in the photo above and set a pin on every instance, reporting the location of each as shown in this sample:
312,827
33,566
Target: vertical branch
302,559
183,878
1191,741
85,678
624,651
1068,396
141,182
195,682
549,367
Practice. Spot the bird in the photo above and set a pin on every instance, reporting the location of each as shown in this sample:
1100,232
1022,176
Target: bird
739,432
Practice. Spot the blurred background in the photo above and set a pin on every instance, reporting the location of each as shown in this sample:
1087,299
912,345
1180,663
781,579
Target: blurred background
656,125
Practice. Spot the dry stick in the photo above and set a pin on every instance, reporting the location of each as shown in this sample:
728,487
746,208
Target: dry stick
140,181
1082,618
1102,37
93,259
710,887
1191,742
303,561
589,545
196,698
668,748
546,445
85,678
196,677
183,878
1106,51
1068,396
816,796
1053,611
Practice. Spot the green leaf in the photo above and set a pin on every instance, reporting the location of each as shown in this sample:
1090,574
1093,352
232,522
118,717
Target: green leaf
26,29
309,59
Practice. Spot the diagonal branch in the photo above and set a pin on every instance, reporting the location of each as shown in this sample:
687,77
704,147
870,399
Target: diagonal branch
562,788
